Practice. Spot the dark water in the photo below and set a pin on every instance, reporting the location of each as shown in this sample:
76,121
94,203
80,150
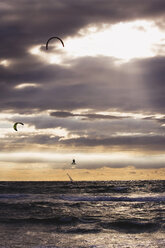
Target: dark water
82,214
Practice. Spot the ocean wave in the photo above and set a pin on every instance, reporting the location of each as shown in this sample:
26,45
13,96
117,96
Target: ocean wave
61,220
131,226
54,220
47,246
15,196
80,230
75,225
110,198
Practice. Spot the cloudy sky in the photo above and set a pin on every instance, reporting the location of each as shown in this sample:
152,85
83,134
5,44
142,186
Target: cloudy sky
99,99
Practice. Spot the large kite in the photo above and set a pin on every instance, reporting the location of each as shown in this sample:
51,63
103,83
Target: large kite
51,39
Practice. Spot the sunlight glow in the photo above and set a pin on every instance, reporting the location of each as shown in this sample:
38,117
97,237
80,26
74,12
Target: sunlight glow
124,41
130,114
127,158
48,57
5,62
25,85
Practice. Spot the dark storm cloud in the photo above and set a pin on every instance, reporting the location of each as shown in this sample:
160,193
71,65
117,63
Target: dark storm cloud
155,142
141,143
30,69
63,114
89,83
26,23
160,120
127,133
39,139
13,142
99,125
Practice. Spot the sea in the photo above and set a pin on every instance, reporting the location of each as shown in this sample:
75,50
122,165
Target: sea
95,214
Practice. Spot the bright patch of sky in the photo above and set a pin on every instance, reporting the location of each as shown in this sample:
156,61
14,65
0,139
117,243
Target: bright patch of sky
4,62
124,41
25,85
82,159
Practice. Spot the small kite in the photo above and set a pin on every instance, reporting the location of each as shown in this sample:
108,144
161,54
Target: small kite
51,39
15,125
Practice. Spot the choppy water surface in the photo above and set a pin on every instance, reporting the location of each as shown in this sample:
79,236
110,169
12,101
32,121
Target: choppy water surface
82,214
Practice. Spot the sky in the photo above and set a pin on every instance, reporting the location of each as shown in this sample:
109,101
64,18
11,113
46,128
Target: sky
98,100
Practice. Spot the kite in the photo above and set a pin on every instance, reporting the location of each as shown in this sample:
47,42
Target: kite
15,125
51,39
